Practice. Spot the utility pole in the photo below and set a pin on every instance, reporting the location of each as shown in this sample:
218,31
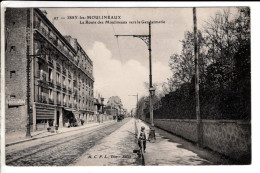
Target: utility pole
147,39
199,136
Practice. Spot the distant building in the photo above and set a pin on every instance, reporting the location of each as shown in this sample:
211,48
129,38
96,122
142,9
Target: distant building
60,73
114,106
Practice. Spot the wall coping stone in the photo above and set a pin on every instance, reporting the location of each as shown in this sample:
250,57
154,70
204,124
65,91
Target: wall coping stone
208,121
177,120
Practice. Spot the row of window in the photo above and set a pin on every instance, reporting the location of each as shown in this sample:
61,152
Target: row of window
65,82
49,34
66,99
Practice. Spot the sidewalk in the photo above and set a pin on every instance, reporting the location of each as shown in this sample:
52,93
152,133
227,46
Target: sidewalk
167,151
16,138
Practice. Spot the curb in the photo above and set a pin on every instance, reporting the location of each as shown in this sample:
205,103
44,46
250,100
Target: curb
30,139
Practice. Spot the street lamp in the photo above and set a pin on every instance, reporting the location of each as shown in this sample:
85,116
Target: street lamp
148,41
152,91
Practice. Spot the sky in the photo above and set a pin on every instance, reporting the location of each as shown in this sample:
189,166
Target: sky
121,65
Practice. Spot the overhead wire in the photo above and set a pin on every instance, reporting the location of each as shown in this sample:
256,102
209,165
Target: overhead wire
116,39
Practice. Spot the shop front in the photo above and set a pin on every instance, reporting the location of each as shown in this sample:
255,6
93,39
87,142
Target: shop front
45,116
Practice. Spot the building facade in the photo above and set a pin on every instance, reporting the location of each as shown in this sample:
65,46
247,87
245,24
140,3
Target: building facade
114,107
49,77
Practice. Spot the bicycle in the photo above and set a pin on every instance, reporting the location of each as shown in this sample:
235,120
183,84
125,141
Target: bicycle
141,154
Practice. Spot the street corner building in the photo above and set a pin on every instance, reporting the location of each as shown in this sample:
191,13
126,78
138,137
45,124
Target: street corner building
49,77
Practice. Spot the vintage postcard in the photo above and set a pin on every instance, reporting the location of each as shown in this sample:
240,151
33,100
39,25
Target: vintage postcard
121,86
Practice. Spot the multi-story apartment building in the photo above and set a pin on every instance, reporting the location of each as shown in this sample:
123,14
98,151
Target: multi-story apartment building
51,70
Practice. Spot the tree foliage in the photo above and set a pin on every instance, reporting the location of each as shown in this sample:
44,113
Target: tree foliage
224,69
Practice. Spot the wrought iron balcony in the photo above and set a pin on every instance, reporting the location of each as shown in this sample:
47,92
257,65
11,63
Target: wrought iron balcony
58,102
64,88
51,101
55,42
58,67
50,62
69,90
51,84
58,84
64,72
50,36
42,99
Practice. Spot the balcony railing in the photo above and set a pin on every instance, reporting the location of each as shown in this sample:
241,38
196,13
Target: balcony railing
69,90
72,59
51,101
50,62
64,72
42,99
43,31
64,88
58,102
55,42
58,67
58,84
51,84
51,38
60,47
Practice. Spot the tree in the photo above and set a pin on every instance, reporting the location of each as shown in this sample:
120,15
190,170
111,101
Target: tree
182,65
224,64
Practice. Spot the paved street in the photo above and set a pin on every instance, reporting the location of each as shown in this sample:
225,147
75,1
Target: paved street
115,149
58,150
109,144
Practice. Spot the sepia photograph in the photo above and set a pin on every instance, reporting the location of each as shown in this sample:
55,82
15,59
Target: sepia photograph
119,86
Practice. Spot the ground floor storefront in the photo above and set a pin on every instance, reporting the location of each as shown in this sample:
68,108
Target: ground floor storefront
50,116
44,116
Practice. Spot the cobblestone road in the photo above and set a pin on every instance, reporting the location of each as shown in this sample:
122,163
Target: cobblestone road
114,150
62,151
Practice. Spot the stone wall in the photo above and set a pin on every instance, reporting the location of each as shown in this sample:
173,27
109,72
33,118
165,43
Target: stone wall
184,128
228,137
